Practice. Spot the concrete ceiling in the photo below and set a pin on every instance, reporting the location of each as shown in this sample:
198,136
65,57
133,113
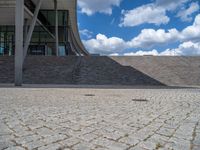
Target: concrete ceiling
7,16
7,9
62,4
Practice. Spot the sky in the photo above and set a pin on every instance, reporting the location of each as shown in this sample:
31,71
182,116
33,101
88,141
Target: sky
140,27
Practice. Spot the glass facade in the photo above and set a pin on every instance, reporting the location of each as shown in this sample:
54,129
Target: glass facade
7,40
42,42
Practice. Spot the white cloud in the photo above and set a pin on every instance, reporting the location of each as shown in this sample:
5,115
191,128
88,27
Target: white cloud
90,7
185,49
151,37
114,54
148,38
144,14
86,33
142,53
105,45
154,52
185,14
156,13
192,32
170,5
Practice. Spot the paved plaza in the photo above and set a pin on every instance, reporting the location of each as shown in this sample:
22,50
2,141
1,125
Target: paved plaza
99,119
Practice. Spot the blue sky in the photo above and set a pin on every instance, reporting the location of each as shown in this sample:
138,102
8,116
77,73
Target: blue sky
140,27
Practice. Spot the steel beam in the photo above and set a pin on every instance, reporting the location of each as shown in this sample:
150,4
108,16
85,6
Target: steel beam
25,28
56,26
39,22
32,26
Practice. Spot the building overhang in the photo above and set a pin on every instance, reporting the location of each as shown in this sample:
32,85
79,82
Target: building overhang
7,8
61,4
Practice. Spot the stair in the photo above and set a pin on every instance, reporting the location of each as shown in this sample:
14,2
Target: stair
137,70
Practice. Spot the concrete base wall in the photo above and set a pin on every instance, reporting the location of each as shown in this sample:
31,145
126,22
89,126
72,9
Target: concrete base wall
147,70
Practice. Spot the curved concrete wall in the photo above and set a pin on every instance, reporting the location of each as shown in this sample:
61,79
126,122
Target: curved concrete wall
75,31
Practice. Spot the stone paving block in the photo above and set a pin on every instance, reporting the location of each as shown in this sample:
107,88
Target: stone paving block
27,139
83,146
45,132
112,135
6,144
15,148
148,145
178,144
129,141
55,146
54,138
196,147
117,146
197,139
5,131
88,137
48,118
137,147
166,132
35,144
70,142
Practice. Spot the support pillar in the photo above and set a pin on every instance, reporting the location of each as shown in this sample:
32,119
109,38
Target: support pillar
19,23
56,27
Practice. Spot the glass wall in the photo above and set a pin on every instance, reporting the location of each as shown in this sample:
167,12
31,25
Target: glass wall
43,39
7,40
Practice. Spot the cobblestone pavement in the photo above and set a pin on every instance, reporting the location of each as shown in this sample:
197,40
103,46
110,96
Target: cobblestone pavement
99,119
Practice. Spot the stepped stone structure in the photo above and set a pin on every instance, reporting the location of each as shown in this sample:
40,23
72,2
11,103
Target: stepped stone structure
38,27
128,71
39,44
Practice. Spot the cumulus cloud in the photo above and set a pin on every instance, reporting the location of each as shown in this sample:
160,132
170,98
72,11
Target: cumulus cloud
192,32
188,48
170,4
156,13
185,14
114,54
105,45
90,7
86,33
144,14
149,38
142,53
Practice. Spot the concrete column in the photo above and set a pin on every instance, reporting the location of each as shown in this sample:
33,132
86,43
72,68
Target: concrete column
56,27
32,26
19,23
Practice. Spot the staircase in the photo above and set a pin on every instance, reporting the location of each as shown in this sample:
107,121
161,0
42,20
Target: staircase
146,70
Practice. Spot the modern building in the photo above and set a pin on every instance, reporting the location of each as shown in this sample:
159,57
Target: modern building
38,27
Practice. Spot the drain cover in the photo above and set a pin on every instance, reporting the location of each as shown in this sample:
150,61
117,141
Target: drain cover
90,95
140,100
